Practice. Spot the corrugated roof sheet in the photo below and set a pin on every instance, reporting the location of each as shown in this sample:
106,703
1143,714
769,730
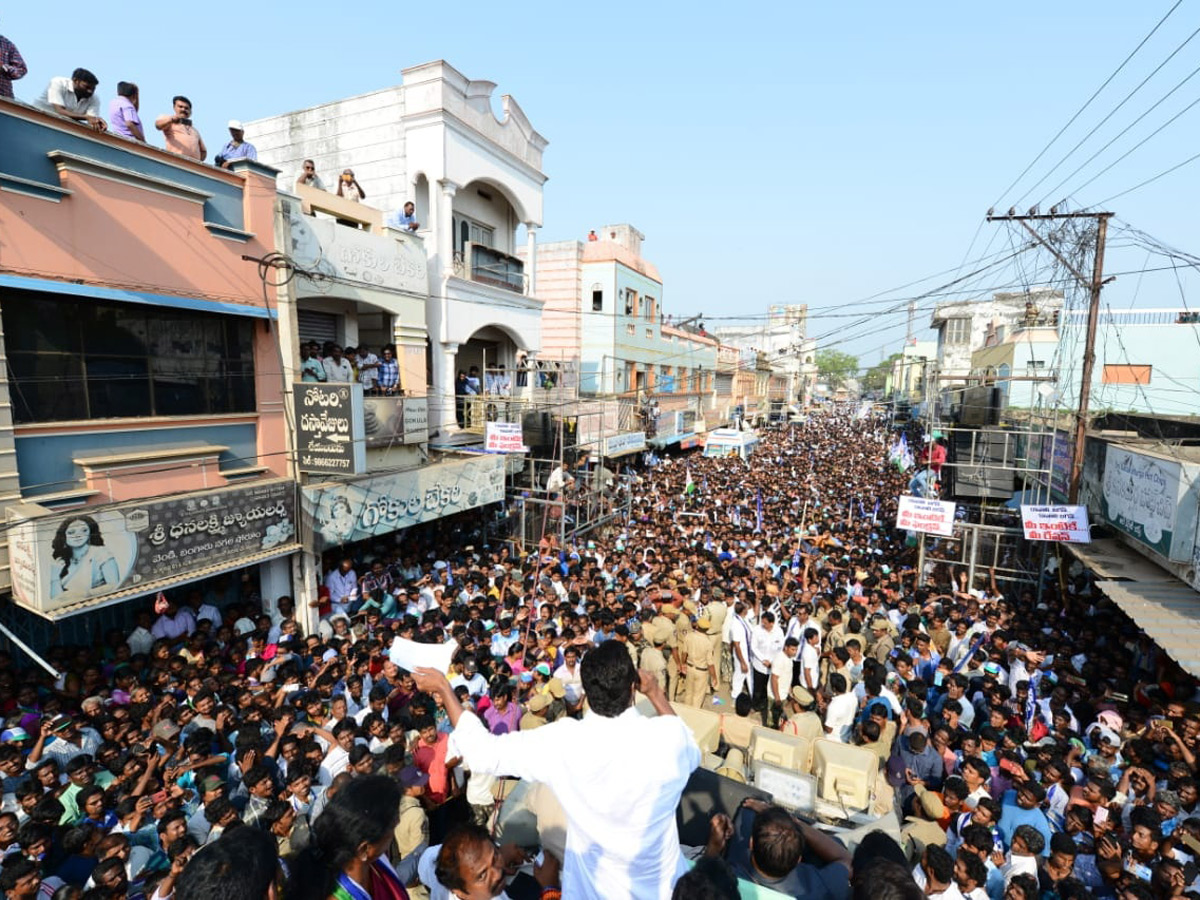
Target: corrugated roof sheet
1168,611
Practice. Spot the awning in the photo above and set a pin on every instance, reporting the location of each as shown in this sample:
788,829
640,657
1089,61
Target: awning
1168,611
622,453
1111,559
99,292
153,587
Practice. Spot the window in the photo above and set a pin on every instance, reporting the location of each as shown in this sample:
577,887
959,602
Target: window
631,302
1127,374
958,331
475,232
648,304
597,298
74,359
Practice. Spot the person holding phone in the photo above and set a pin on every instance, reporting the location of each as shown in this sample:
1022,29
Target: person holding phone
179,134
349,187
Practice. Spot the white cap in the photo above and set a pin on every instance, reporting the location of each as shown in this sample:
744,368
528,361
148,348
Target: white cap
235,125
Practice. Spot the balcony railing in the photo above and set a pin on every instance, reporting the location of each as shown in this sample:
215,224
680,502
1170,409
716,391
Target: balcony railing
485,265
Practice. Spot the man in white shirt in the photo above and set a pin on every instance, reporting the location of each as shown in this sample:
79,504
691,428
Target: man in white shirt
343,587
738,634
75,98
842,710
810,659
782,667
368,368
174,623
140,640
620,843
337,367
765,644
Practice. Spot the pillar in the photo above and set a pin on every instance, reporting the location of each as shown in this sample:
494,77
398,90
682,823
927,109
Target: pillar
441,406
445,226
531,259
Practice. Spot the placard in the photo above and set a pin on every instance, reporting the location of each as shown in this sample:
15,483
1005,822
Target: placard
504,437
930,516
1056,523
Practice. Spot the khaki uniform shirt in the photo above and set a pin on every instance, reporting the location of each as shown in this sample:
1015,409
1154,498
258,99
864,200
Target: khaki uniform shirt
653,661
413,828
698,648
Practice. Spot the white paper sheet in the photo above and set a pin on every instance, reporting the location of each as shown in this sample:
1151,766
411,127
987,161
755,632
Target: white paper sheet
410,655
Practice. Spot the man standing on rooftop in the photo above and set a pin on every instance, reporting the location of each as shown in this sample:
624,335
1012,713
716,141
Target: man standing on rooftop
12,66
178,132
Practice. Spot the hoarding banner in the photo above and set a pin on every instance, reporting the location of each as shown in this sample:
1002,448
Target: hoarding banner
504,437
343,512
329,428
930,516
1141,496
1056,523
59,561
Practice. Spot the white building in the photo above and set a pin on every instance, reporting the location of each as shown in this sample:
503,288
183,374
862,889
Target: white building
965,326
474,178
781,336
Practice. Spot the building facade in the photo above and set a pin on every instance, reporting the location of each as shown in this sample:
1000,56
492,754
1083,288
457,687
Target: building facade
475,180
143,439
604,306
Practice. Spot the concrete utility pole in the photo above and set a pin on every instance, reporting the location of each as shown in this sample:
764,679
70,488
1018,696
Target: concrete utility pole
1094,285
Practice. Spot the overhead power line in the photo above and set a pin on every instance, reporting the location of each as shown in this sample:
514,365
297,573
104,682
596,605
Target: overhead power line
1088,103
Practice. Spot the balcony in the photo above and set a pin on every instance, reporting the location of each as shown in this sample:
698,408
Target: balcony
484,265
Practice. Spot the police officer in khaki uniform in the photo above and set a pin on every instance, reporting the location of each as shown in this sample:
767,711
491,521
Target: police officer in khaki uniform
802,718
715,611
653,659
699,666
675,666
535,712
412,828
882,645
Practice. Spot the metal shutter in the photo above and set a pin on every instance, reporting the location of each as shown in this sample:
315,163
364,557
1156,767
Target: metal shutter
316,326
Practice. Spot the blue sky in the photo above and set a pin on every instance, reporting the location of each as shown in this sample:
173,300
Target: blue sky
771,153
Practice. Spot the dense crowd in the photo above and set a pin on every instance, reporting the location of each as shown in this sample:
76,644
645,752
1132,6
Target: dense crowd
1032,742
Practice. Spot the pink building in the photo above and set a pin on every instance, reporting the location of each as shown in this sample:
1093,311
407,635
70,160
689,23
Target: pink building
143,396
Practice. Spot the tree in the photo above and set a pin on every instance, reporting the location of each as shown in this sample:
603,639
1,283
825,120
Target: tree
836,367
877,376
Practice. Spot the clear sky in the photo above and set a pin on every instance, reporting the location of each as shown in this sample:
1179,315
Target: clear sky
770,152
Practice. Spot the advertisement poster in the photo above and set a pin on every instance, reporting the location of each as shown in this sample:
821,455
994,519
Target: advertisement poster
59,561
1056,523
329,428
341,513
930,516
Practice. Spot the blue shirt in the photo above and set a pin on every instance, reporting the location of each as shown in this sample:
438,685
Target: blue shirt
244,150
401,221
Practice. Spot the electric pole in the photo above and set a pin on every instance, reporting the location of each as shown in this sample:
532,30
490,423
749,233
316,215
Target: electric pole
1094,285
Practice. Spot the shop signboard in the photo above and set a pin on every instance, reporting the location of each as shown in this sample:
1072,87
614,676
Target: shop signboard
62,560
930,516
628,442
1140,496
329,428
1056,523
344,512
